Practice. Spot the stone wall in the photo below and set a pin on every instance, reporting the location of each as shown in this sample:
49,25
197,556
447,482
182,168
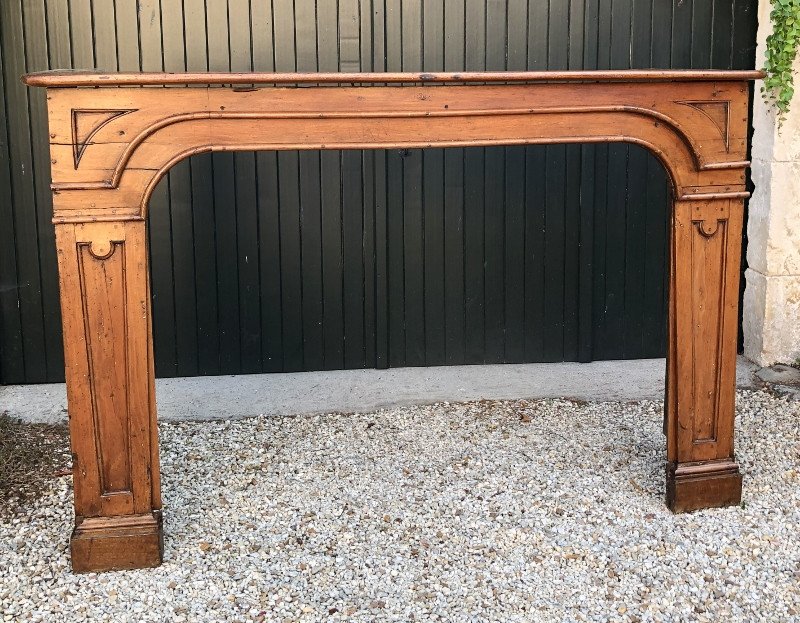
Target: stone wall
772,295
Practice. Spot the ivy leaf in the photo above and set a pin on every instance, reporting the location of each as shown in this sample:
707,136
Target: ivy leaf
781,52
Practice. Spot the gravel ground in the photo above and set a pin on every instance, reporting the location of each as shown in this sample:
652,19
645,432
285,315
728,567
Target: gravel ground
487,511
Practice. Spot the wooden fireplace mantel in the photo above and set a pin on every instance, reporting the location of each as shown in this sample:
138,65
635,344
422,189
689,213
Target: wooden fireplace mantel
112,140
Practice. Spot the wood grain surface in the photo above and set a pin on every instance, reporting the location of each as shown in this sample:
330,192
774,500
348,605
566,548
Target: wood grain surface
110,146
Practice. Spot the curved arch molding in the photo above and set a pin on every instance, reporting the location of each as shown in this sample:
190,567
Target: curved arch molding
112,140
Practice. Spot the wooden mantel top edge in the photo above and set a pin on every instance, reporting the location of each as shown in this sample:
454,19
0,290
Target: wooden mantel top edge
69,78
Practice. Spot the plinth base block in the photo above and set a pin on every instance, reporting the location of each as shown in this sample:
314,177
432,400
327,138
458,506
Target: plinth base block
706,484
116,543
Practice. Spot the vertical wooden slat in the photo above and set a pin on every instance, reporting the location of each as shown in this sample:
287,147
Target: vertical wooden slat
433,44
413,253
312,269
225,206
349,36
378,9
572,229
289,205
162,276
517,36
368,31
553,252
745,23
587,200
454,25
615,251
151,50
702,14
12,353
393,33
270,243
390,177
514,237
59,44
535,188
333,317
247,244
474,258
181,211
454,60
616,215
290,261
247,249
413,260
227,251
353,260
433,201
586,254
454,254
604,38
434,255
262,20
722,34
494,200
127,33
475,42
331,207
636,202
21,159
382,247
368,258
573,301
681,53
104,35
202,213
555,201
658,203
514,194
636,249
494,254
80,24
395,273
37,58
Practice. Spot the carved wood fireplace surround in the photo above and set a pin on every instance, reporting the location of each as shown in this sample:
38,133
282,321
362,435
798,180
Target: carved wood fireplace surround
112,140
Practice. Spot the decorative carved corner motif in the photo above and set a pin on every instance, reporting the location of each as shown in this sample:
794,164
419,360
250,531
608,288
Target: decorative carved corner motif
707,217
87,122
719,114
710,227
102,249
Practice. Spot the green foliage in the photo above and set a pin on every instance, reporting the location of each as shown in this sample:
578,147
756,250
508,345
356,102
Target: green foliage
781,51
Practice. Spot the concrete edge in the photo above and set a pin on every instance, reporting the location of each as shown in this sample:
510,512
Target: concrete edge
229,397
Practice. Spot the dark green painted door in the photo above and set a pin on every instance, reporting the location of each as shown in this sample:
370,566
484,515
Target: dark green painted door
303,261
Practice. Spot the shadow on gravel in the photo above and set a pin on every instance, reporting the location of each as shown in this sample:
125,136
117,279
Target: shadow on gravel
30,456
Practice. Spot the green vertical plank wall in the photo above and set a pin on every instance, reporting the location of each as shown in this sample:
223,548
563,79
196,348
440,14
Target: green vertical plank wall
302,261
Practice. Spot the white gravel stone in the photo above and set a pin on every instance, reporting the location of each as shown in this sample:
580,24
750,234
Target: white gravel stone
486,511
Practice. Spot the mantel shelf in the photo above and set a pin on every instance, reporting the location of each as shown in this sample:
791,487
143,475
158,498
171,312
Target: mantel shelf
90,78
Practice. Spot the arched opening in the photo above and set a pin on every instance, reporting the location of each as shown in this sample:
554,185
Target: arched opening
311,260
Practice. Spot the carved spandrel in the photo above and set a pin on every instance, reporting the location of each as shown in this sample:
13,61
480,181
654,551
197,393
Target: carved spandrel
719,114
85,124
